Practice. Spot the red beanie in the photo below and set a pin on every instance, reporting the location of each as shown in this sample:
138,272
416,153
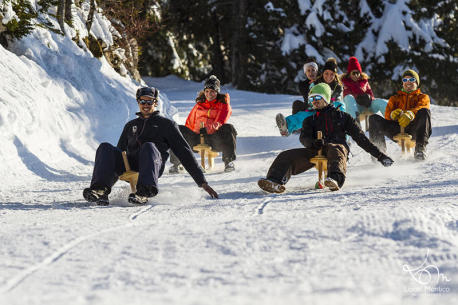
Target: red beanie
353,64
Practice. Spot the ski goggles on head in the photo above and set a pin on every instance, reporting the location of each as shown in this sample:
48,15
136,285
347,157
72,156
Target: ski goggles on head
411,79
315,98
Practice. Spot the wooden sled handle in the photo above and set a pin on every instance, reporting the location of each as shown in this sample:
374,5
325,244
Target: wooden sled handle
126,162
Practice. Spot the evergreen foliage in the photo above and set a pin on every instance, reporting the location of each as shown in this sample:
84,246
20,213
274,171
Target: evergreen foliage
23,24
262,45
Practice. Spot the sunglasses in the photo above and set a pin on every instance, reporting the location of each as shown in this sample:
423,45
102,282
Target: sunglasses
146,102
412,79
315,98
355,73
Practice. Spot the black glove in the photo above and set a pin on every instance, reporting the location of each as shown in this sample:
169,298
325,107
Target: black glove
318,143
203,131
385,160
364,100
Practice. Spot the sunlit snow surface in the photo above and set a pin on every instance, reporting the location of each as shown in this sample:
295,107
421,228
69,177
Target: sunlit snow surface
372,242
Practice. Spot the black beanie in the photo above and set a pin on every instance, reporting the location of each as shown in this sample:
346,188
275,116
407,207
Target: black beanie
212,83
331,64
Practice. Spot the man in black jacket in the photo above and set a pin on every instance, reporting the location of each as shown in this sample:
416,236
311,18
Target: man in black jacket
146,140
334,125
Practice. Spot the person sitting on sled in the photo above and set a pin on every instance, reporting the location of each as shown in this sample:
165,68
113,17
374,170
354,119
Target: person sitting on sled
334,125
409,108
293,122
358,95
147,140
212,110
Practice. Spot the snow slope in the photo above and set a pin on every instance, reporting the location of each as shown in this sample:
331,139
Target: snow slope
373,242
52,99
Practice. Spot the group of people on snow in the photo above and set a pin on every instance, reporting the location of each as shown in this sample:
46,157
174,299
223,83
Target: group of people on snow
331,104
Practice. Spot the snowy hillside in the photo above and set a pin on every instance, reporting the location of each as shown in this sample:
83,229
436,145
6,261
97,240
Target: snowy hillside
58,103
374,242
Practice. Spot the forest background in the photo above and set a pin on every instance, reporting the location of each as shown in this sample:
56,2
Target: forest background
259,45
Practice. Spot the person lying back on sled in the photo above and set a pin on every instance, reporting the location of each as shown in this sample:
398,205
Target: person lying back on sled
334,125
213,110
146,140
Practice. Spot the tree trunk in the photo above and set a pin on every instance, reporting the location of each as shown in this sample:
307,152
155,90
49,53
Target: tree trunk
239,56
218,60
90,16
60,14
68,11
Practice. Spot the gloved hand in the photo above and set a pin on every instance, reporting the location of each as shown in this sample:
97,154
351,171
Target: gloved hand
385,160
364,100
213,127
394,115
318,143
406,118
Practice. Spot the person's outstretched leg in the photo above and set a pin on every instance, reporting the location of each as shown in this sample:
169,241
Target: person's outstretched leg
150,168
294,122
420,129
287,163
337,165
107,168
379,128
225,140
351,107
378,105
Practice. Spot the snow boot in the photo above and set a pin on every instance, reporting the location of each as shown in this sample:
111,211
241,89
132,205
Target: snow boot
420,152
142,194
271,186
332,184
134,198
281,124
229,167
98,196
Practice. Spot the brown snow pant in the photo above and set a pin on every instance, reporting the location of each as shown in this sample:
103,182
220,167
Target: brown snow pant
296,161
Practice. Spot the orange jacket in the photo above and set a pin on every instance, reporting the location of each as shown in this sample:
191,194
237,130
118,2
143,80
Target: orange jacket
212,114
412,101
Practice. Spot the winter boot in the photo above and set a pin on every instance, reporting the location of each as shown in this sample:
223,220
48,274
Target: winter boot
335,181
281,124
100,196
176,169
420,152
271,186
134,198
229,167
332,184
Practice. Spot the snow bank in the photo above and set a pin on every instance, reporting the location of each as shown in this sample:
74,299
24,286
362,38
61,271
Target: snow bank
57,103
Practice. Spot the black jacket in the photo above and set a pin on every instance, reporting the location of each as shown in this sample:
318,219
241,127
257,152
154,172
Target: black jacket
336,88
334,125
304,88
164,133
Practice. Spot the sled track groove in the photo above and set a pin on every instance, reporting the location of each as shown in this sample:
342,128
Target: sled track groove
19,278
143,210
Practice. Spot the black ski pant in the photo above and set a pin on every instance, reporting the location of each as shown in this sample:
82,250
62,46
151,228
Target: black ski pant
419,129
223,140
296,161
109,165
